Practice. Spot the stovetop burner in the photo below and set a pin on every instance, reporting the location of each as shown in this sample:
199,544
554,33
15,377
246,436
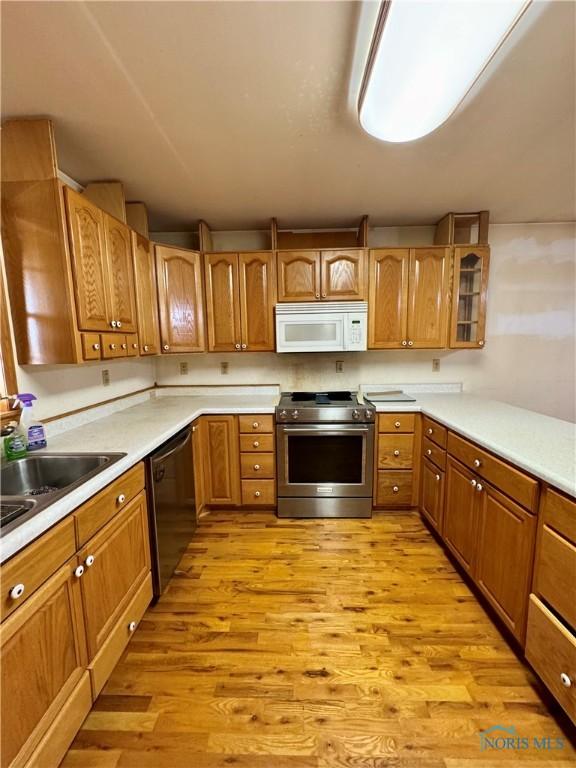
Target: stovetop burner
321,398
337,406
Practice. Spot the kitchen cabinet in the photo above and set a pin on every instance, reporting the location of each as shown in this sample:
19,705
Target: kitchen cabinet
470,283
120,274
240,301
180,299
409,290
257,460
221,460
432,494
461,514
146,295
397,458
198,468
330,275
43,664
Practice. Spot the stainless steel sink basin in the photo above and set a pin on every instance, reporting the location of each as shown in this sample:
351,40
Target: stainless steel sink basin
31,484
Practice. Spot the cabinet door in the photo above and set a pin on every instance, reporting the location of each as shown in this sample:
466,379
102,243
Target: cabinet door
388,302
343,275
222,302
432,494
461,513
121,561
198,468
43,658
506,538
120,274
146,295
257,291
221,453
298,275
88,252
180,300
469,287
428,298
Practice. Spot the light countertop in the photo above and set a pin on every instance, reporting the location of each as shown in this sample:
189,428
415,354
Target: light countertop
543,446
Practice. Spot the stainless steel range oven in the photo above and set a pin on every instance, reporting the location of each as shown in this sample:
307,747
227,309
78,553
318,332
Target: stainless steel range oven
325,455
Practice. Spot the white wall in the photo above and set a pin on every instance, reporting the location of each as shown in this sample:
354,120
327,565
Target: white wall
529,358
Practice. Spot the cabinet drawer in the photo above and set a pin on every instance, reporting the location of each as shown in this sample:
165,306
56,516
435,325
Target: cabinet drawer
258,493
251,443
551,649
555,579
559,512
112,345
434,431
91,347
102,507
394,489
506,478
256,423
132,345
107,657
433,452
396,422
395,451
258,465
37,562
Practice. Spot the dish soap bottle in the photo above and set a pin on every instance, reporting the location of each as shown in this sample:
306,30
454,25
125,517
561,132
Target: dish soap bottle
33,430
13,442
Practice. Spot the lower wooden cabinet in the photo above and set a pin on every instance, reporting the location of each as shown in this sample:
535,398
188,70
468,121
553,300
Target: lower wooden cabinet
432,494
42,661
397,460
220,451
461,514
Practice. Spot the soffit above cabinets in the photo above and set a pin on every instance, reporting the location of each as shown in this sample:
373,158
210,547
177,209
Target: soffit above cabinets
233,112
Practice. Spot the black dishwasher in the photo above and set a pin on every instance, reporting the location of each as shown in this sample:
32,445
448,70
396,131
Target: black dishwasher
171,505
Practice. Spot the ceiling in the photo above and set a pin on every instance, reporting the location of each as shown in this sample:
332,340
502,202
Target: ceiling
238,111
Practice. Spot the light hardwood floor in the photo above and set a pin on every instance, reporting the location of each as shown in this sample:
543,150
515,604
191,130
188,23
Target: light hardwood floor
315,644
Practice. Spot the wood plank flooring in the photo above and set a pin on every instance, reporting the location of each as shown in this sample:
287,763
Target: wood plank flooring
316,644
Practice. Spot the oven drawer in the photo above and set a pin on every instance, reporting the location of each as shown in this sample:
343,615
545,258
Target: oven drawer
257,465
395,451
431,451
256,423
257,493
394,489
256,443
396,422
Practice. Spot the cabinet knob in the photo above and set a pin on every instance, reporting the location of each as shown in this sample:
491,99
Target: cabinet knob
395,489
124,346
243,346
257,494
437,477
430,430
428,452
134,345
113,323
481,343
121,499
89,561
112,346
473,483
396,453
256,467
410,343
404,343
146,347
132,626
397,424
566,680
317,295
323,295
479,487
79,571
166,347
17,591
236,346
255,444
477,462
255,425
118,324
96,347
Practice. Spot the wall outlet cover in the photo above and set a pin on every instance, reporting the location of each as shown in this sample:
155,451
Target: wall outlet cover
339,366
183,369
224,368
105,377
436,364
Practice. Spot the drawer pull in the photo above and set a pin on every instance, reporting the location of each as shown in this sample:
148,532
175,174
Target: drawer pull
257,494
121,499
146,347
404,343
119,324
166,347
89,561
396,453
437,477
566,680
113,323
430,431
479,487
96,347
256,444
255,425
243,346
79,571
132,626
112,347
17,591
134,345
429,452
397,424
473,483
477,463
124,346
481,343
395,489
236,346
410,343
256,467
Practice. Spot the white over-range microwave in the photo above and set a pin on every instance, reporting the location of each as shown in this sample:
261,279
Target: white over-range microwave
328,326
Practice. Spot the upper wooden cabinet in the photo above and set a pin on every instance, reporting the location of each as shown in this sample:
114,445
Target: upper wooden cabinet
315,275
120,274
180,299
470,283
240,301
409,291
146,295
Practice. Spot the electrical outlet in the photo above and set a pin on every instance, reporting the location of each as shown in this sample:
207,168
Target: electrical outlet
339,366
436,364
224,368
105,377
183,369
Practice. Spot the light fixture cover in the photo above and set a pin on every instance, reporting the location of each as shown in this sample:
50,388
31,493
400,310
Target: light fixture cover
425,60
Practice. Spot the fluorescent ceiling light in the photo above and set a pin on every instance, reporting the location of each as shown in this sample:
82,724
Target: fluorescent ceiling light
425,57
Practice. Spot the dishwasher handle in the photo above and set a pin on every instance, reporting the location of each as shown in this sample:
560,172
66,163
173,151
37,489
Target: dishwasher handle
171,448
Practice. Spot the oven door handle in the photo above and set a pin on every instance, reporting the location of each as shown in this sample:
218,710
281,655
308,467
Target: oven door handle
328,428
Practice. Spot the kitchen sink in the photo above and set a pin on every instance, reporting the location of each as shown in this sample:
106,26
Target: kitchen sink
31,484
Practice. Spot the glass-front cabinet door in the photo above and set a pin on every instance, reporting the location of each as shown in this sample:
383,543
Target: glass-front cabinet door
469,296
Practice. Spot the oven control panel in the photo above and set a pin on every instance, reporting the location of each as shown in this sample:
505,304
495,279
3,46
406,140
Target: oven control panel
334,414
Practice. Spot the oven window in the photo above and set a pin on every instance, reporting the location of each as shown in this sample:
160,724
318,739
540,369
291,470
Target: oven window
311,332
322,459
